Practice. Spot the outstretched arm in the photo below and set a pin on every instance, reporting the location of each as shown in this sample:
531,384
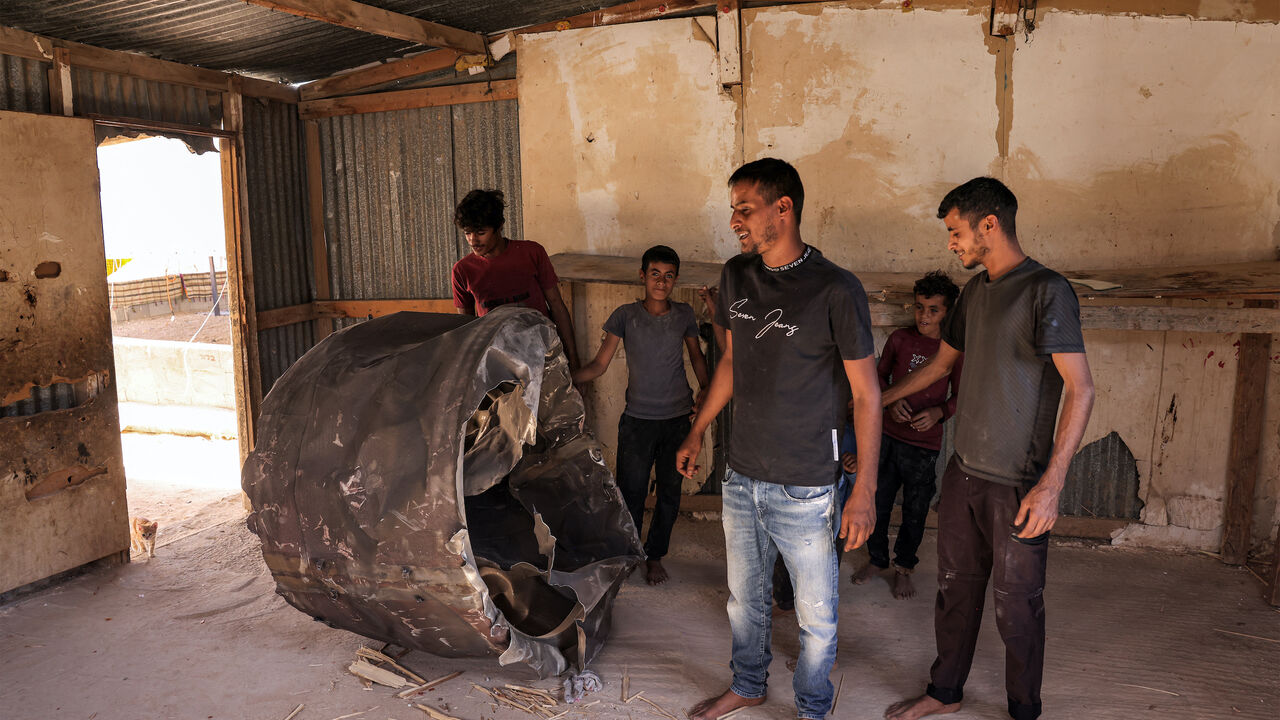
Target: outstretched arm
596,368
858,518
933,370
1039,509
698,361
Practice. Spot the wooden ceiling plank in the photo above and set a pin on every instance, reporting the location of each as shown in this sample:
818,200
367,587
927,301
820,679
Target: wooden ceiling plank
408,99
21,43
377,21
366,78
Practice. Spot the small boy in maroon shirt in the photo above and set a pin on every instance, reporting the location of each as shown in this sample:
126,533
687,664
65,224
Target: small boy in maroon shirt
912,434
499,271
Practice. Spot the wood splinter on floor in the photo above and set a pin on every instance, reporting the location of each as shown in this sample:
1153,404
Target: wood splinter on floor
626,683
368,671
735,711
408,692
834,700
1144,687
659,708
435,714
374,655
295,712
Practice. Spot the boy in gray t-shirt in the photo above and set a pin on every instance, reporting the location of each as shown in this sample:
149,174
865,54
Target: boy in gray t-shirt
659,401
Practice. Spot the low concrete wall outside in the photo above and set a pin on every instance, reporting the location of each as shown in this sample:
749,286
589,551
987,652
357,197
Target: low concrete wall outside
164,372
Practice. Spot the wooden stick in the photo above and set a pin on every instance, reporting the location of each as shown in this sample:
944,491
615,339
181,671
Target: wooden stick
735,711
372,654
295,712
354,714
1244,635
1144,687
543,694
836,699
633,697
626,683
427,685
435,714
658,707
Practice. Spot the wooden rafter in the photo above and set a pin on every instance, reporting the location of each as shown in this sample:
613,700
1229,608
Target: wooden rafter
377,21
371,77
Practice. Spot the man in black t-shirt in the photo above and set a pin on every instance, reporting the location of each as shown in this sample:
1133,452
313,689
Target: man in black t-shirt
797,342
1018,324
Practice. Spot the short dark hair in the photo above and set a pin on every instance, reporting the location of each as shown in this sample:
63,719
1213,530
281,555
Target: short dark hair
480,209
662,254
774,179
938,283
979,198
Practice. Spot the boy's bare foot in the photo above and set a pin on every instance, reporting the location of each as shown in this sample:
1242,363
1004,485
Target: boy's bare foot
902,586
714,707
865,573
918,707
654,573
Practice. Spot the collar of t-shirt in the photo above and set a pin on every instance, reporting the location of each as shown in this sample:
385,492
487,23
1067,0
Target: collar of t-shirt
791,265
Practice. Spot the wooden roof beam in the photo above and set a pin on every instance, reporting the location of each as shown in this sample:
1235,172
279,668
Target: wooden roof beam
354,81
377,21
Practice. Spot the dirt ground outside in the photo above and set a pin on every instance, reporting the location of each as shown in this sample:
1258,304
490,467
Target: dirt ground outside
198,632
181,327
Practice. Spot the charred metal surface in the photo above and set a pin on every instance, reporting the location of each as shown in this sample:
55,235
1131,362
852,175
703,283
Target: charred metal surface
426,480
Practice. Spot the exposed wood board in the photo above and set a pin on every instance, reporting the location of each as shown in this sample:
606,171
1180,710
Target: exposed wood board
158,126
1245,442
60,87
377,21
729,42
1203,281
1209,320
409,99
315,202
371,77
24,44
378,308
291,315
1004,17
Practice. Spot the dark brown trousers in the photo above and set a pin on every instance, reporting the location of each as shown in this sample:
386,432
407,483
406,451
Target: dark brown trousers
975,527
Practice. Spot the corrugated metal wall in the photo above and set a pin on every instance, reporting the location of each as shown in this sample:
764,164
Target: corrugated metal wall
26,84
391,181
276,184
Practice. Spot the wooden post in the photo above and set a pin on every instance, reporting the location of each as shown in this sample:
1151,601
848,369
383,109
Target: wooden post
1273,592
247,371
319,246
1004,17
729,42
60,88
1246,441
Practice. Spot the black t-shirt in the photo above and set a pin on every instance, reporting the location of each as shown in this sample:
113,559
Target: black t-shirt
792,327
1010,389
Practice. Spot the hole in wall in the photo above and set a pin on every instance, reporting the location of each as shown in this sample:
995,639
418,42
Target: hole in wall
57,396
48,269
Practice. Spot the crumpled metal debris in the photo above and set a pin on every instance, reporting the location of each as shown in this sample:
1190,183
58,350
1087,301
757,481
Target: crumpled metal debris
426,480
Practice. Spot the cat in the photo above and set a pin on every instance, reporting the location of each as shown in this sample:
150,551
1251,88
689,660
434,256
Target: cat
142,536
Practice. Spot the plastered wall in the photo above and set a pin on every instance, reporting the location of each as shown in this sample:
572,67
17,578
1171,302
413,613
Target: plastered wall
1130,140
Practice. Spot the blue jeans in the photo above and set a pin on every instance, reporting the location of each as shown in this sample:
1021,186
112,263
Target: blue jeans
761,521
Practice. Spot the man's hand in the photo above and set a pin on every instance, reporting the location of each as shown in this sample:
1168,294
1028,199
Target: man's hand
687,455
858,520
1039,509
926,418
900,411
849,462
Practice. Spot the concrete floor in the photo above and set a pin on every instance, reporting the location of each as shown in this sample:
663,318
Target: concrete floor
199,633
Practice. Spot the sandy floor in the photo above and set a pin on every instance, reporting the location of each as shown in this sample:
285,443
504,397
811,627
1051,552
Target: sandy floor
179,327
198,632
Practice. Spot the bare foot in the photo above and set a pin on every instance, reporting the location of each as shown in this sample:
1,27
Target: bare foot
654,573
714,707
865,573
918,707
902,586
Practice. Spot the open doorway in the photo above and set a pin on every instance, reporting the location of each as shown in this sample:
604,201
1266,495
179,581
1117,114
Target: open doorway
163,230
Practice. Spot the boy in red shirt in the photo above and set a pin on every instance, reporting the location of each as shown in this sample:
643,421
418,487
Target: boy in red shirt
912,434
499,271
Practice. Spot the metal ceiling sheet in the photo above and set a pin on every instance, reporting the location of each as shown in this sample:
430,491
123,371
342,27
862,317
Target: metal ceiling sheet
233,36
26,85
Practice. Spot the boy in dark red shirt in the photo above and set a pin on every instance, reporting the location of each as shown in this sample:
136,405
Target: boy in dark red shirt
912,435
499,271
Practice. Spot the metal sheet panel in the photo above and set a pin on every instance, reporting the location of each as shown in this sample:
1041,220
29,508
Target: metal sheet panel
486,147
275,182
234,36
389,198
26,84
